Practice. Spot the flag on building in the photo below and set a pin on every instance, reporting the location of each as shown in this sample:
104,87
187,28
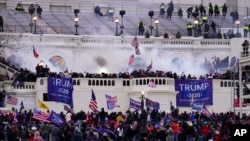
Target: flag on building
111,102
11,100
135,44
93,103
21,106
151,84
42,105
205,112
40,116
36,55
131,59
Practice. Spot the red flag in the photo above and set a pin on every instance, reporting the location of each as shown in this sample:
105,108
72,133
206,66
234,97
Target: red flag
131,59
36,55
93,104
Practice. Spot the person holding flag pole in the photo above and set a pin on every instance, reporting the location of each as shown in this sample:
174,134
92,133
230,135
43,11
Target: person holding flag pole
144,94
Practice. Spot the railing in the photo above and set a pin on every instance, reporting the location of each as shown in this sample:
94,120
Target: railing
92,40
81,30
132,7
8,69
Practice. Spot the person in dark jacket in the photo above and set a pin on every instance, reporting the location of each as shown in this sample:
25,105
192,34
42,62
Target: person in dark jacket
39,11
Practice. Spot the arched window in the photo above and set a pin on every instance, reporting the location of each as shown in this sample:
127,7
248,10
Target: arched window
156,81
97,82
89,82
225,83
124,83
78,82
93,82
229,84
101,83
140,82
164,82
113,82
74,82
221,84
136,82
105,82
160,81
144,82
128,83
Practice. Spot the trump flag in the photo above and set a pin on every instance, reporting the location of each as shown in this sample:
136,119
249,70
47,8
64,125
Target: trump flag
111,102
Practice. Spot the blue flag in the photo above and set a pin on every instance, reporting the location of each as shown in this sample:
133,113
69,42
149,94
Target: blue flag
198,106
56,119
134,104
60,90
111,102
101,130
152,104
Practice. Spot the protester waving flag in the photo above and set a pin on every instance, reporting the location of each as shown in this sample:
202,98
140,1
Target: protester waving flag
135,44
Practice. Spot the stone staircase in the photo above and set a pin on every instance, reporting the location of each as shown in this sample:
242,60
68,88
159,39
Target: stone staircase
10,71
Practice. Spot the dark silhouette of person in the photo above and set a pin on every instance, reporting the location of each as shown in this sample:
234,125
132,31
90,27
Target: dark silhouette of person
1,24
141,28
224,10
98,10
39,11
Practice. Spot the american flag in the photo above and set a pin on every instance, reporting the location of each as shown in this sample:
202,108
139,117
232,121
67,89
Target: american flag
41,116
93,104
131,59
11,100
205,112
151,84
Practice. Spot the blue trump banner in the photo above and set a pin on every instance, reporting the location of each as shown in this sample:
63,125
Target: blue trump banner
56,119
134,104
111,102
60,90
152,104
191,91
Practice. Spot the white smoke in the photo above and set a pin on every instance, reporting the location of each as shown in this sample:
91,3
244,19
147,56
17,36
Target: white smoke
116,60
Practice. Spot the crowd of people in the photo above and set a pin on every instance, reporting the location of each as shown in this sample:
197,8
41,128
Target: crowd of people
132,125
